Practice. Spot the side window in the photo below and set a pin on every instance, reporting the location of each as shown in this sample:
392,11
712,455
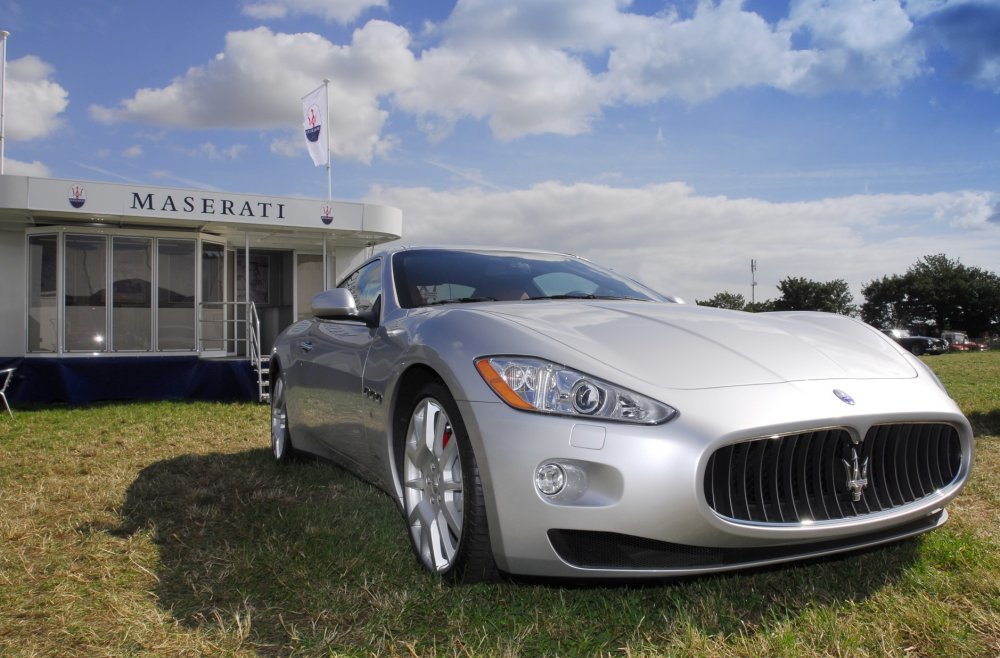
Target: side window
365,284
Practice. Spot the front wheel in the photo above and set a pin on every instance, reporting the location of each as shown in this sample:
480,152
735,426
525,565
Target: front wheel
442,493
281,441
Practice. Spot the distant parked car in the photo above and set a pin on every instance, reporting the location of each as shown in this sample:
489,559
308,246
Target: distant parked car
918,344
958,341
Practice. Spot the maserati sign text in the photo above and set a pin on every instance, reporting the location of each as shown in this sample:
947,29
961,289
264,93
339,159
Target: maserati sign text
207,206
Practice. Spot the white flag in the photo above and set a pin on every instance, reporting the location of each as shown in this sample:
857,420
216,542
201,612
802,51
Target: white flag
314,123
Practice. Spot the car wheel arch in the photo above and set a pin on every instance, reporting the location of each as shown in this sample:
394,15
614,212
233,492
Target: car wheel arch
407,394
273,371
409,384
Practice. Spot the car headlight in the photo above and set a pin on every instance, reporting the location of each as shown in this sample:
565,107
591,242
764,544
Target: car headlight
541,386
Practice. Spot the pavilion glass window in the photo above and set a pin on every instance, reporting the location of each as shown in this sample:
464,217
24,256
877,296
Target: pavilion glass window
132,306
85,293
175,295
43,303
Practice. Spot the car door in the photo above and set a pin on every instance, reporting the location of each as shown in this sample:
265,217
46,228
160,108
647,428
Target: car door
337,350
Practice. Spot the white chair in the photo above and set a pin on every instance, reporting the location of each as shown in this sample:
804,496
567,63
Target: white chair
7,376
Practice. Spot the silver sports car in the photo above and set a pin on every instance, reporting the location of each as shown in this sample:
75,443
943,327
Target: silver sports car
532,413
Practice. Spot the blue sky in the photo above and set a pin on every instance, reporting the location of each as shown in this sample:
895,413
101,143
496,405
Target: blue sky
671,140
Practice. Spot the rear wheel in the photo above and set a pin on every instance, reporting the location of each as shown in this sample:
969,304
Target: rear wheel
917,349
281,441
442,493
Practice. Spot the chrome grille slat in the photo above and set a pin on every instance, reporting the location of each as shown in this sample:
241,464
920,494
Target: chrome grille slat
729,489
776,482
881,485
933,452
906,462
798,477
923,469
824,477
762,487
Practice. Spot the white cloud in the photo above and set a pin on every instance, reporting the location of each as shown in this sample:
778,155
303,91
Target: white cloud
17,168
720,48
520,88
969,210
257,82
340,11
532,67
528,67
133,151
33,101
695,246
859,44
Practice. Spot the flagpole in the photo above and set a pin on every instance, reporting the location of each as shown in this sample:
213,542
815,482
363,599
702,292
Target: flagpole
329,175
3,91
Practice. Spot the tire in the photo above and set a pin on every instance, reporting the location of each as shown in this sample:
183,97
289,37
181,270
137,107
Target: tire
916,349
281,439
442,492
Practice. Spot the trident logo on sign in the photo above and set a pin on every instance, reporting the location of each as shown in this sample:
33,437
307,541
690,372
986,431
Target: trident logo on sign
312,131
77,196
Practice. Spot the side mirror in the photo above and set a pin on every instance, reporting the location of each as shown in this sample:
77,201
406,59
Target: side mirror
335,304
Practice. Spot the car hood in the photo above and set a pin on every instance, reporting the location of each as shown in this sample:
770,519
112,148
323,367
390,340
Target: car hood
691,347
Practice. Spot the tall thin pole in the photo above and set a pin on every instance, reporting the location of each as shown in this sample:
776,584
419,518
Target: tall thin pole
329,175
753,281
3,91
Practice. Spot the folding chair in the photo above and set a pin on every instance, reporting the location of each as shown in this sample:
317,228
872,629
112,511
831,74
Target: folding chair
7,376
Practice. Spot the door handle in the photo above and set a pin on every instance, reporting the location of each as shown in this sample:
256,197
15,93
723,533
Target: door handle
305,345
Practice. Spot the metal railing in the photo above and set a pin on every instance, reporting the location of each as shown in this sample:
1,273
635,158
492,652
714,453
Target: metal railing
253,342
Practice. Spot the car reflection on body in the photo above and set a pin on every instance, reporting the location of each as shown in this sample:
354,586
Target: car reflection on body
532,413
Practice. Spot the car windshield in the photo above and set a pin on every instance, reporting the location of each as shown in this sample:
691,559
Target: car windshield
425,277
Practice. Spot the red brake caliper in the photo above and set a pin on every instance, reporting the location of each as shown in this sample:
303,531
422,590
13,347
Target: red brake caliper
444,439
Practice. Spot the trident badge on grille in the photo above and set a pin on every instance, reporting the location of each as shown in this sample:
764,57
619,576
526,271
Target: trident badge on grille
857,474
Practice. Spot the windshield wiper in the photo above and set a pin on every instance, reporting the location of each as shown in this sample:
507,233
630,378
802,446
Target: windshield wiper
462,300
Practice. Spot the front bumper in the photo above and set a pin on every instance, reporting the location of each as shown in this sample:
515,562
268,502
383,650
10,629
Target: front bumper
635,505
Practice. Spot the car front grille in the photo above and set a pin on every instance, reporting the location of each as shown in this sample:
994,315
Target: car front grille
816,476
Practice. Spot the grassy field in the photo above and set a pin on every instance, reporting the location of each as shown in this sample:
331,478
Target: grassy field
164,529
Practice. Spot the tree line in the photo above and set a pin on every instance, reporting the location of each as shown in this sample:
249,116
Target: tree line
935,294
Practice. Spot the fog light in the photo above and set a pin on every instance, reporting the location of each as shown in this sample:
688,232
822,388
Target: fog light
550,479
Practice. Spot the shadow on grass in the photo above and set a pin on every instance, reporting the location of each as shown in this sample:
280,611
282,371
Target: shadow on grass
310,559
985,424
